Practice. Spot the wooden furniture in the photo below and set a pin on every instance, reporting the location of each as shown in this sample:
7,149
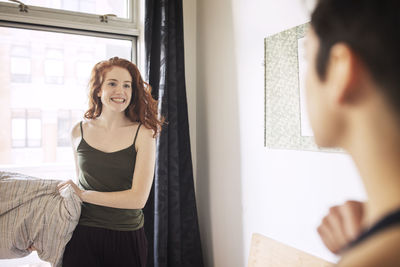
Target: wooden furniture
266,252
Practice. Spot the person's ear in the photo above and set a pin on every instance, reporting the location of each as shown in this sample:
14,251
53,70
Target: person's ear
342,74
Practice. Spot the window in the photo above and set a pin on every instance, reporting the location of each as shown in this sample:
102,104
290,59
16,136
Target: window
20,68
50,52
119,8
83,66
63,127
115,49
26,128
86,6
54,66
65,121
18,129
54,98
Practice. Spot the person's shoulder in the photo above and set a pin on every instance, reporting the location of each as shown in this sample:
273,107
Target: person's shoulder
76,129
381,249
146,132
145,137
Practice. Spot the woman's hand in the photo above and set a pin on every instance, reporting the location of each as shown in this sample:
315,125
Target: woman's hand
342,225
61,186
31,248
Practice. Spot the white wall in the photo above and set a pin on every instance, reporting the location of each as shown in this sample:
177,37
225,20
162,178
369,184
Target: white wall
219,191
243,187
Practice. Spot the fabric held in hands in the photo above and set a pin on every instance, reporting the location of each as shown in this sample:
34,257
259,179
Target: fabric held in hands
34,213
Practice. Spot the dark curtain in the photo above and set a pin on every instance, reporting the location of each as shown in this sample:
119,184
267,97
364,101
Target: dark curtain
170,214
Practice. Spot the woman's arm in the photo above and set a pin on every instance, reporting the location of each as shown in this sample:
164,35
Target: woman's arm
136,197
75,140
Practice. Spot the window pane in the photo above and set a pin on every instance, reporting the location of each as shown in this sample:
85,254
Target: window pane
21,51
53,67
18,132
59,67
54,71
20,64
64,124
34,128
100,7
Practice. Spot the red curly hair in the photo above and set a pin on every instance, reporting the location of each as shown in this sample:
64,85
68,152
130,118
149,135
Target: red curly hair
142,108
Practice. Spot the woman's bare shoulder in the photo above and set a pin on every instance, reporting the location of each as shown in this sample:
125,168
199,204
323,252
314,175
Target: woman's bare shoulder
76,129
145,138
382,249
146,132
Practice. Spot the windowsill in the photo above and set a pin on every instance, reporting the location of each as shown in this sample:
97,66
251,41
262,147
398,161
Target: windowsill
57,171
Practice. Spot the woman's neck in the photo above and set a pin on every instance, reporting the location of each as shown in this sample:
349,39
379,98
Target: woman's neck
374,145
112,120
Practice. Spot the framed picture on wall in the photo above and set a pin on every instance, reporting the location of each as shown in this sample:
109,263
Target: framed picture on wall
286,119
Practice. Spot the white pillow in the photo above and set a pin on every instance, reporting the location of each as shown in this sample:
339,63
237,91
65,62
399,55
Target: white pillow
33,212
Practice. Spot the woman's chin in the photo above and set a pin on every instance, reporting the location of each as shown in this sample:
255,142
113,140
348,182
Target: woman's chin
117,108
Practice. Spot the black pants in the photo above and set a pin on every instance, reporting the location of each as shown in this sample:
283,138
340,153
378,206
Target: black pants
98,247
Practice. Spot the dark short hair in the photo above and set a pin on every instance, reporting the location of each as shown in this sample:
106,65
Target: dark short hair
371,28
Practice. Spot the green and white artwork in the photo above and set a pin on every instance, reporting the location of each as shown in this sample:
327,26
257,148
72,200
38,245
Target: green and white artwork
286,119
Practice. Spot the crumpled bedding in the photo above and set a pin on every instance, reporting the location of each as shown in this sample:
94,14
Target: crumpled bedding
33,212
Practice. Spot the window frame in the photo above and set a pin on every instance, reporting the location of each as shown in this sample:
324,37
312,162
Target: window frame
49,17
133,38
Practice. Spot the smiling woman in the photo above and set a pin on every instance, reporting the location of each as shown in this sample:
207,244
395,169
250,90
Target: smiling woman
115,160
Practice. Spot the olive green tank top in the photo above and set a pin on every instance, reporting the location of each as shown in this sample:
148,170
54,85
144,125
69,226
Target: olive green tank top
107,172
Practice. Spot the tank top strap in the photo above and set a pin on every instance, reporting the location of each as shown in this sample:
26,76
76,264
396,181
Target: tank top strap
81,129
137,131
392,219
